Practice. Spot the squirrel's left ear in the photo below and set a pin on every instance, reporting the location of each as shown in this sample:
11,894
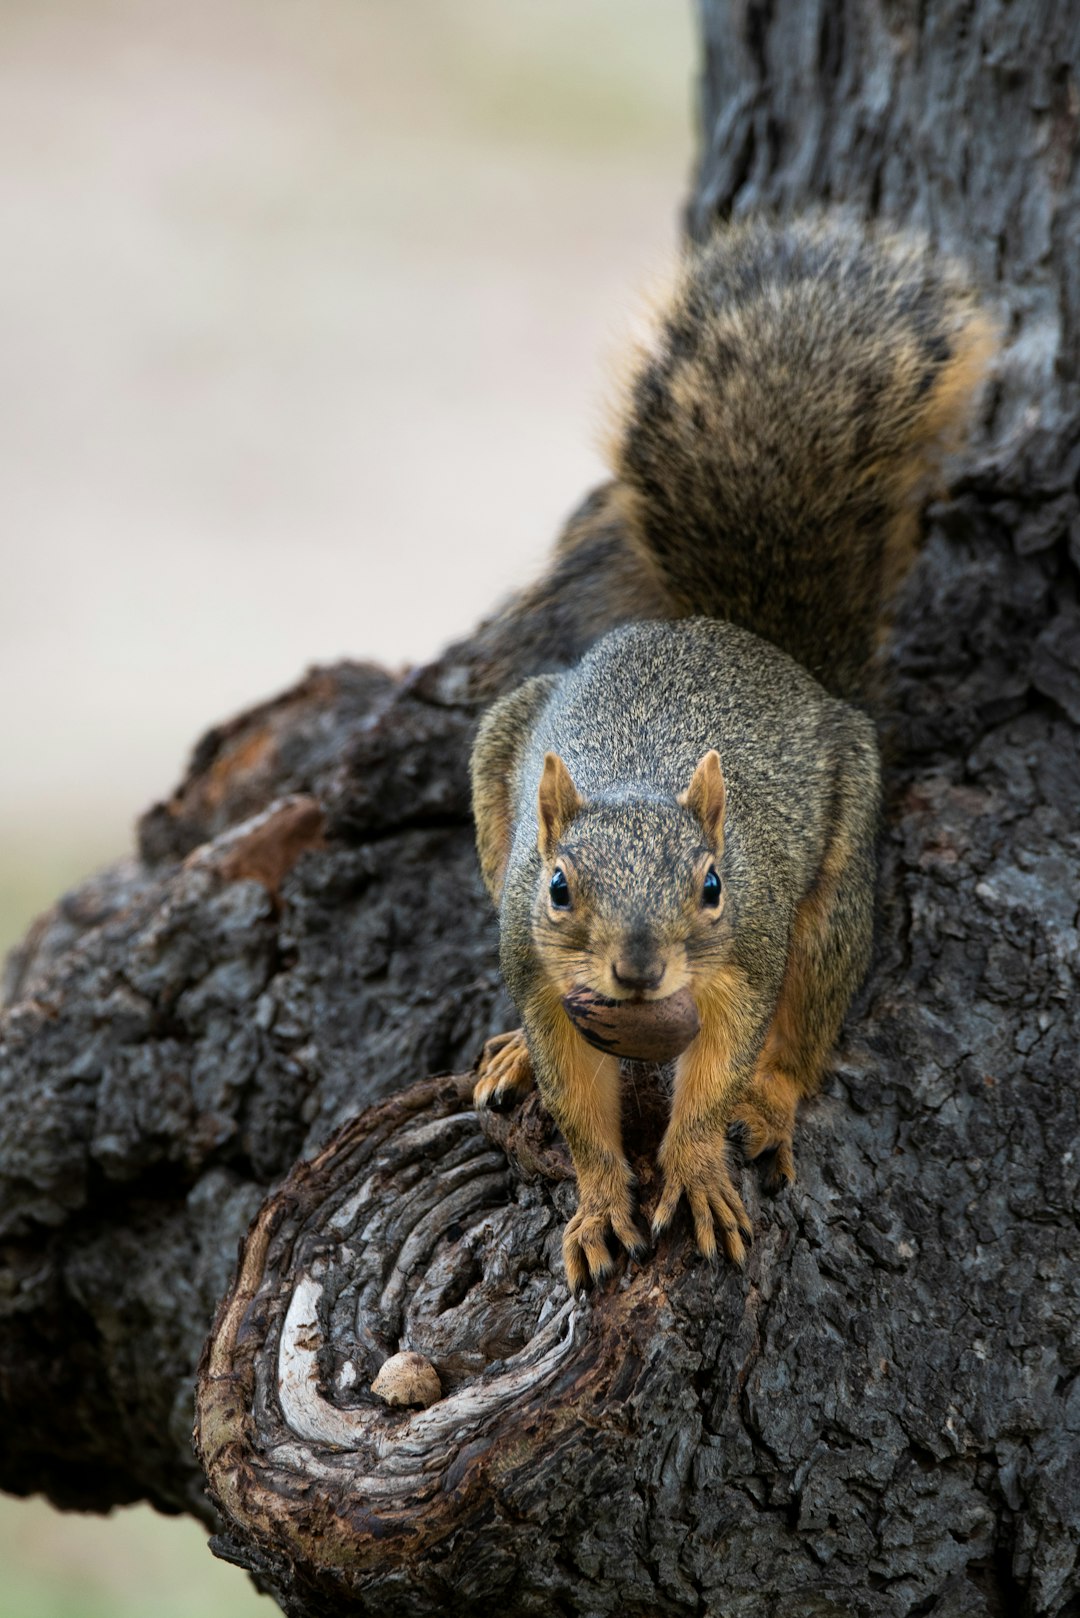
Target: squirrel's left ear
705,797
557,802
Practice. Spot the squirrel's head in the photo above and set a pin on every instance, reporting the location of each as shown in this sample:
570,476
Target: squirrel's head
630,893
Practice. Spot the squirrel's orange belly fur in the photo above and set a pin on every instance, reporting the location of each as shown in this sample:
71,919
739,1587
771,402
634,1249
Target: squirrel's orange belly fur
691,807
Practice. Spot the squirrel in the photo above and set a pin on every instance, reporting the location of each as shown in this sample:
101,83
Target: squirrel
689,816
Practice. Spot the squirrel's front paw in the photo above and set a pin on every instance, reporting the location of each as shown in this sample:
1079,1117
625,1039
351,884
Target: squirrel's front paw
603,1206
504,1072
698,1170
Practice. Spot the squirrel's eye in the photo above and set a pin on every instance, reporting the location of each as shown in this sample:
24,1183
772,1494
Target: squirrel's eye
559,889
710,888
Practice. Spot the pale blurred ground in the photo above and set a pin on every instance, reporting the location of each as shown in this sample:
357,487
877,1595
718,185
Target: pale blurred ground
304,312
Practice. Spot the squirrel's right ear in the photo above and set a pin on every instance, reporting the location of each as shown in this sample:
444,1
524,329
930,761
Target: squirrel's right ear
705,797
557,802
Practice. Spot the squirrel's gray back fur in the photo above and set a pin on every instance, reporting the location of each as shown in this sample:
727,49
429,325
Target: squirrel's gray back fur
633,719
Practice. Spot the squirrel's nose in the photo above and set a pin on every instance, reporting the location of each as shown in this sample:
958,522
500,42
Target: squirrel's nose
638,975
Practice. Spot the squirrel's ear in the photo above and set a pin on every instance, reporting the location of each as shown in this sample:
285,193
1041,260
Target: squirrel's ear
558,801
705,797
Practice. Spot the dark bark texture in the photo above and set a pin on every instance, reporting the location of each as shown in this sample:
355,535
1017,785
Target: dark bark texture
881,1416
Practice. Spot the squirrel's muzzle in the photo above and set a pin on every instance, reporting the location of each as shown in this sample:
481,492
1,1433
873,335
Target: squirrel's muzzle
639,976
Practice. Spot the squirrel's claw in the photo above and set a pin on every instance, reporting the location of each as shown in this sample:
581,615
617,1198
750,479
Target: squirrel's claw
504,1072
587,1256
780,1171
713,1201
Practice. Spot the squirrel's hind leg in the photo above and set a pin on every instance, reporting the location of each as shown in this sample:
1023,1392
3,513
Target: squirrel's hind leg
764,1123
504,1074
827,960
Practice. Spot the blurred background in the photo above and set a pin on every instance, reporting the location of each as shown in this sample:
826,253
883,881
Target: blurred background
307,309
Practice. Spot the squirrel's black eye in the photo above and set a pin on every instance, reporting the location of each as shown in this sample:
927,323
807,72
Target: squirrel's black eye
710,889
559,889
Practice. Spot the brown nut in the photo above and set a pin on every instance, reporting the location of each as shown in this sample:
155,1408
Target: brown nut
637,1030
407,1379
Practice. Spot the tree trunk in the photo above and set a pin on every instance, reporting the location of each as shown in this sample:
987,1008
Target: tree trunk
881,1416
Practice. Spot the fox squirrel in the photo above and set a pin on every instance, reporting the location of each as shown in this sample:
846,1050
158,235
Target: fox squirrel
684,824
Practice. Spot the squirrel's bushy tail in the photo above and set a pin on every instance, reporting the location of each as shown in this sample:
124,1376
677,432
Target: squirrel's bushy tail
802,388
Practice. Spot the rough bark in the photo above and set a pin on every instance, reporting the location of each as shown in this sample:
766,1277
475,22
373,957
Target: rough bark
882,1416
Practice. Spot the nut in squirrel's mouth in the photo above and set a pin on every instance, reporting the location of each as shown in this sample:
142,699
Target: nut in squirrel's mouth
636,1029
